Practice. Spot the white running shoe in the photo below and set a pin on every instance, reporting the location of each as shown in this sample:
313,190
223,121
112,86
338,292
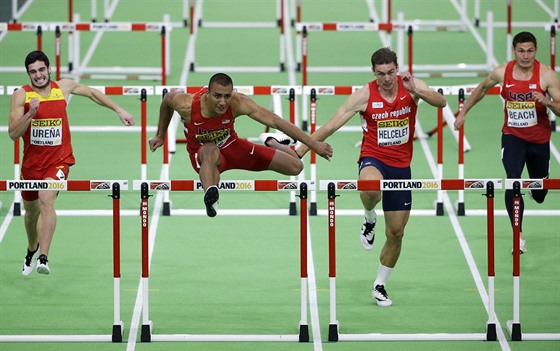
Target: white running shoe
29,262
522,248
380,295
278,136
43,265
367,234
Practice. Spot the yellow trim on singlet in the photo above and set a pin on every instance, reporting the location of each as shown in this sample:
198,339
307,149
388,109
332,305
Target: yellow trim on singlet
55,95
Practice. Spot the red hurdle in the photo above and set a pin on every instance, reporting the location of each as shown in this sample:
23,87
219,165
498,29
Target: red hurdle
246,185
80,185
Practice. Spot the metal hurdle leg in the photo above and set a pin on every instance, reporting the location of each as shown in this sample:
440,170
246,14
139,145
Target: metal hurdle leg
491,324
303,325
118,327
333,323
147,326
514,326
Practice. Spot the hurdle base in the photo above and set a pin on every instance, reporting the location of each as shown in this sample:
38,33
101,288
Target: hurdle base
118,331
460,209
293,209
166,209
333,332
313,209
514,330
146,334
439,209
191,68
304,126
17,209
303,333
491,332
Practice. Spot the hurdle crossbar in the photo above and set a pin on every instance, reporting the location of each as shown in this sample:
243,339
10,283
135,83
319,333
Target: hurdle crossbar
245,185
80,185
74,60
196,17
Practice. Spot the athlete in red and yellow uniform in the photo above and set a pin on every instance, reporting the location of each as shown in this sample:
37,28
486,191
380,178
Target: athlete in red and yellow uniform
212,143
526,131
47,146
387,106
38,114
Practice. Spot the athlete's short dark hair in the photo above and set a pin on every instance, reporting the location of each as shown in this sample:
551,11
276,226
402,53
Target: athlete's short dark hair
383,56
35,56
524,37
221,79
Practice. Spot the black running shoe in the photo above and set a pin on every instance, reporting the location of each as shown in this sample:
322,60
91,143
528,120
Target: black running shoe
211,198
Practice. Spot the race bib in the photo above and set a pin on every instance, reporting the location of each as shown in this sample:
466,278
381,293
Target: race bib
393,132
521,114
218,136
46,132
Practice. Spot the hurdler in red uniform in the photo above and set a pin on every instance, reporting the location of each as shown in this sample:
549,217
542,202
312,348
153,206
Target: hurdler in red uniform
38,114
213,145
389,126
237,153
388,108
529,88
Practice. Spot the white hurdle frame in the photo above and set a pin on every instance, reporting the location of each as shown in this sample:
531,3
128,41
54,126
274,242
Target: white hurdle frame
197,22
73,29
243,185
413,184
81,185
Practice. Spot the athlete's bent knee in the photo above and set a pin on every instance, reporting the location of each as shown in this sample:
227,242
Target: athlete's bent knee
296,168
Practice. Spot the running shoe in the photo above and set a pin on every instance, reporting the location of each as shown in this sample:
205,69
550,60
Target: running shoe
43,265
211,198
380,295
278,136
29,262
522,248
367,235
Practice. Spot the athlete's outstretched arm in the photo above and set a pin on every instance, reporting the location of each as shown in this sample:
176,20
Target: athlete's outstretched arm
69,86
244,105
355,103
493,78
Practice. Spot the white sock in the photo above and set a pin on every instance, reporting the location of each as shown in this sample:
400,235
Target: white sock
383,274
371,216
